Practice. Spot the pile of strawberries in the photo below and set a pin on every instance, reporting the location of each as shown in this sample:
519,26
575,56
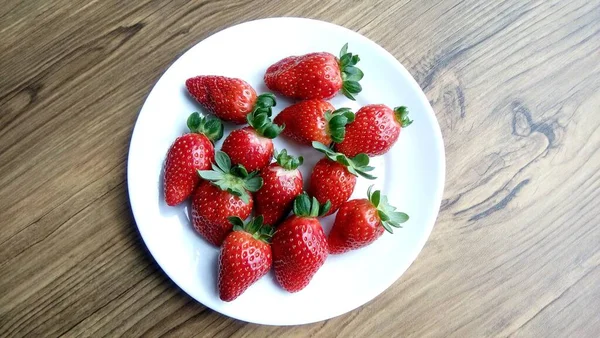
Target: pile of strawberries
227,185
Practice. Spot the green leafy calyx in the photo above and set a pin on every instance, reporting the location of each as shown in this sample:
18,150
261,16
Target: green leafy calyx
337,121
260,117
401,114
387,214
350,73
288,162
236,180
209,125
304,206
254,227
264,104
357,166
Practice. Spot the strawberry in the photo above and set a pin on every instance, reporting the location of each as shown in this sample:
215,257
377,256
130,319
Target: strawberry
189,153
282,183
299,245
252,146
374,131
360,222
314,120
230,99
315,75
334,177
223,194
245,257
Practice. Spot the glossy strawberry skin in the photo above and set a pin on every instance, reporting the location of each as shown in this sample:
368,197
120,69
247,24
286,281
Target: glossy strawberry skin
210,208
246,147
305,121
373,132
189,153
299,250
331,181
243,261
230,99
274,200
310,76
356,225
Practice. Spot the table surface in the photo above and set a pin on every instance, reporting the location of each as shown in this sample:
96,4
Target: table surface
515,86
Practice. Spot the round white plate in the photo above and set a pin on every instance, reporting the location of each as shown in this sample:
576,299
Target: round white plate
411,174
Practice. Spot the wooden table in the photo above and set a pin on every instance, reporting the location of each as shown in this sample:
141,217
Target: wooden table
516,89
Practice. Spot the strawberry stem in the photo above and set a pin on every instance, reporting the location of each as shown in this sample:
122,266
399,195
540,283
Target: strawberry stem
254,227
260,117
350,73
304,206
235,180
337,121
210,126
288,162
387,214
357,166
264,103
401,114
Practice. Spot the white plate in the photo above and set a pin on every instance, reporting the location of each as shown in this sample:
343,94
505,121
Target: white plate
411,174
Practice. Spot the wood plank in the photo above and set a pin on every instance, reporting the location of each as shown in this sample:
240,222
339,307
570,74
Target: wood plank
515,86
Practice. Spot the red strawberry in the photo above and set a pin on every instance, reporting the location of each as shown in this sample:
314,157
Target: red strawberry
223,194
299,245
334,177
228,98
188,154
315,75
282,183
314,120
374,131
252,146
245,257
360,222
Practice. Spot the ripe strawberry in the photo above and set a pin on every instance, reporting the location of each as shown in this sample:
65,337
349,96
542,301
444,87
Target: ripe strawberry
188,154
315,75
245,257
360,222
223,194
230,99
282,183
314,120
334,177
252,146
374,131
299,245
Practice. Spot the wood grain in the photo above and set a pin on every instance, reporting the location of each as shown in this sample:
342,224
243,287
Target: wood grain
516,89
